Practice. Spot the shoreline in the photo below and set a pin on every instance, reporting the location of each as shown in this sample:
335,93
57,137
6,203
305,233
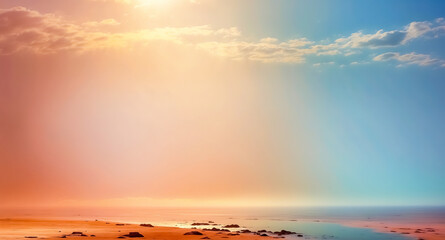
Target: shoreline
52,229
20,228
415,230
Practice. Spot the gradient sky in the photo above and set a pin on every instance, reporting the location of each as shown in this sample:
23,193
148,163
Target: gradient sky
205,102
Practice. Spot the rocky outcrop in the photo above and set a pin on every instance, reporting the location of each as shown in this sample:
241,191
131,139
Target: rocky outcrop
216,229
193,233
232,226
146,225
133,235
284,232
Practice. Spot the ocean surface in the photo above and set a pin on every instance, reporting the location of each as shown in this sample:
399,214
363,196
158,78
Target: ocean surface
313,223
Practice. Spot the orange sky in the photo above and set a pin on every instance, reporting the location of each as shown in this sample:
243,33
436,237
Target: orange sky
120,124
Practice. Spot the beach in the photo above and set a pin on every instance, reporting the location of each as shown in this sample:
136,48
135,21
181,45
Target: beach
98,230
172,223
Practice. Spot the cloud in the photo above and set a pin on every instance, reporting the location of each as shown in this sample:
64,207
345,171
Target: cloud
22,29
393,38
410,58
265,50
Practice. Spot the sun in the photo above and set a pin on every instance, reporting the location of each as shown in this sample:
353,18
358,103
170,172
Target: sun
148,3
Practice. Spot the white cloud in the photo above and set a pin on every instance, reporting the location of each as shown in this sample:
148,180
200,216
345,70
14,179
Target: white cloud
265,50
410,58
393,38
23,29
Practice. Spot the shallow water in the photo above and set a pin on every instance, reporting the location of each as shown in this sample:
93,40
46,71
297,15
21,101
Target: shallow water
314,223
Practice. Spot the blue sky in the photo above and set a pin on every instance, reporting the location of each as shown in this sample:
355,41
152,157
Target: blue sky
379,126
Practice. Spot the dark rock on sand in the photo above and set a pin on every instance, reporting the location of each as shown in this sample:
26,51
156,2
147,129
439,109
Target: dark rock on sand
233,234
133,235
120,224
245,231
299,235
205,238
216,229
200,224
284,232
261,231
263,235
193,233
232,226
30,236
146,225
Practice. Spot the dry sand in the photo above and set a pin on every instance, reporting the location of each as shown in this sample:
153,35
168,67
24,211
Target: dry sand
55,229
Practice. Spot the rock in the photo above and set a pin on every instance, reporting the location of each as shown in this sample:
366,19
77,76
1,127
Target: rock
205,238
92,235
200,224
121,237
146,225
216,229
134,235
261,231
30,236
263,235
193,233
78,234
120,224
284,232
299,235
245,231
233,234
232,226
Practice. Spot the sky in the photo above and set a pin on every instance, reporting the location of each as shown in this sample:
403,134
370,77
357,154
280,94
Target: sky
221,103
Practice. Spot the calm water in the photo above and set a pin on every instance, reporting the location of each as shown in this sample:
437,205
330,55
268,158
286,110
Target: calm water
314,223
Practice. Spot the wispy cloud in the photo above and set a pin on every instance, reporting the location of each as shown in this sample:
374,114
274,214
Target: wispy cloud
22,29
410,58
265,50
395,37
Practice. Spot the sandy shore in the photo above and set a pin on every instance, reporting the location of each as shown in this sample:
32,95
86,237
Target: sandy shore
97,230
417,229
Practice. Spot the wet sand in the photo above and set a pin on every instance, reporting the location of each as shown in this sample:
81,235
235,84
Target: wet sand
415,229
98,230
